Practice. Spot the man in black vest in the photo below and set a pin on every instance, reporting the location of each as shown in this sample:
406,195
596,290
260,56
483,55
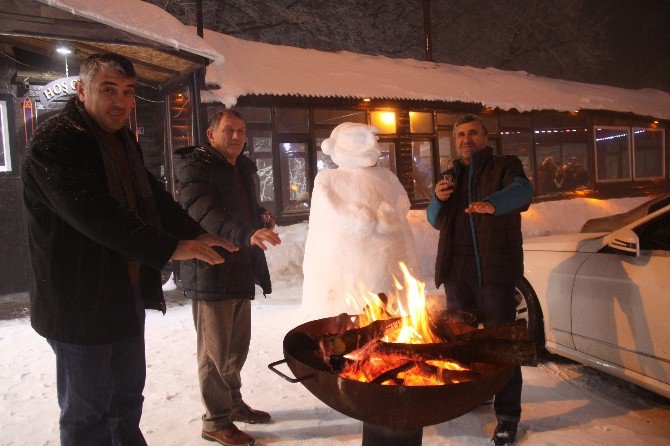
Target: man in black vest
477,208
100,229
218,190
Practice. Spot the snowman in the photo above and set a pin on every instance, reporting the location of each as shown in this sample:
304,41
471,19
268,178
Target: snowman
358,228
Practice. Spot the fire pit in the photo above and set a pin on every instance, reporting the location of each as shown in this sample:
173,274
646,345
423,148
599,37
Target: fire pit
393,410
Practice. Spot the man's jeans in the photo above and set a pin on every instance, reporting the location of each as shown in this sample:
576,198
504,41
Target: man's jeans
495,305
100,391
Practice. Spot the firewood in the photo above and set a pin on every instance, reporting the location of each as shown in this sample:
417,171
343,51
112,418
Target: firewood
512,331
467,351
356,338
392,373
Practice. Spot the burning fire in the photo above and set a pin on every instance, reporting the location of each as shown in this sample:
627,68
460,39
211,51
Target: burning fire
370,363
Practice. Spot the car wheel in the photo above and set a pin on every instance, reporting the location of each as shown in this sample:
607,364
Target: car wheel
528,308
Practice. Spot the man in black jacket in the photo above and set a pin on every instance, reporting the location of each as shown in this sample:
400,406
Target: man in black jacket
100,228
477,208
218,190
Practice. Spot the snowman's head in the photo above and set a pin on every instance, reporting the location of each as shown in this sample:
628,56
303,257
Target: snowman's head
353,145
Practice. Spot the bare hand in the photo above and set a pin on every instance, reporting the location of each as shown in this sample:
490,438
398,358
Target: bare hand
443,190
201,249
481,207
265,235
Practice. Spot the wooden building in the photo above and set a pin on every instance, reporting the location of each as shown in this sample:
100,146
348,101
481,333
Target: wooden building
574,139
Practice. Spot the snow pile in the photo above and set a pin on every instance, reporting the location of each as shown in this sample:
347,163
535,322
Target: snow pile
358,230
262,68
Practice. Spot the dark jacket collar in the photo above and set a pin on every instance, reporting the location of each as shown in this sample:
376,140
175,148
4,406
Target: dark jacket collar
243,162
478,158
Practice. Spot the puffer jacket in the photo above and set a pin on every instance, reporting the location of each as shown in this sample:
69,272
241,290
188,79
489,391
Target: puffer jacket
498,243
81,238
209,193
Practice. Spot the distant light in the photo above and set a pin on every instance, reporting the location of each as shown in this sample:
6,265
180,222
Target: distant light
63,50
366,100
388,117
655,122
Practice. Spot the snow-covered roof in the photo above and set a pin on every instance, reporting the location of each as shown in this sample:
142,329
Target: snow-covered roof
261,68
141,19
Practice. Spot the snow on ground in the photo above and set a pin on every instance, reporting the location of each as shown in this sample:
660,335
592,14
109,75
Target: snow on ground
563,403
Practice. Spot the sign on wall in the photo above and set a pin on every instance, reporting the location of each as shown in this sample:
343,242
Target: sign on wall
58,89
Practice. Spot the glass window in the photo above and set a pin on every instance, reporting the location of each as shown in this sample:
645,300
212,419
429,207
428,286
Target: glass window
292,120
323,161
519,143
255,115
384,121
648,150
266,189
387,159
447,149
491,123
259,141
420,122
612,153
335,117
447,119
294,177
5,158
422,169
561,157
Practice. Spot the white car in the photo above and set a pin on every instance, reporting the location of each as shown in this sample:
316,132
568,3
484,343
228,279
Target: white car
603,298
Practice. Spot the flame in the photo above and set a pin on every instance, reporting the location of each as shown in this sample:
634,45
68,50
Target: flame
366,365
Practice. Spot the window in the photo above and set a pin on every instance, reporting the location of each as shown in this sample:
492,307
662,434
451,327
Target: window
387,159
561,159
422,169
648,153
292,120
447,149
323,161
332,118
384,121
519,143
293,162
259,145
420,122
612,153
5,157
255,115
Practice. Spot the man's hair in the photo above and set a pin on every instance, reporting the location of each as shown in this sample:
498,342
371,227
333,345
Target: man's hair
95,63
470,118
218,116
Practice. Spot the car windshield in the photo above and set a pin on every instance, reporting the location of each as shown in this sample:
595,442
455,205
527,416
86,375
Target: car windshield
613,222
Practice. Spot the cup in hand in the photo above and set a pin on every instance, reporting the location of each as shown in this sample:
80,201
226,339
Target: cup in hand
450,179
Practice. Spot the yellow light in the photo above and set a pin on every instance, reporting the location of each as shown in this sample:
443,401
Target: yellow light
388,117
655,122
366,100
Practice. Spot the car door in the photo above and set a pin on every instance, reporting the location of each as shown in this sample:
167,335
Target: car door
621,304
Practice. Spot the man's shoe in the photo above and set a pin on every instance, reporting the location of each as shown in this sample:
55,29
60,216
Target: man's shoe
229,436
505,433
248,415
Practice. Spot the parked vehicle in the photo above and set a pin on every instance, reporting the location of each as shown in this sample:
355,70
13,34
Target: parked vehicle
603,298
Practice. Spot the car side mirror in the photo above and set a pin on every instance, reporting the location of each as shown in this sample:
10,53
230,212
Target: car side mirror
624,241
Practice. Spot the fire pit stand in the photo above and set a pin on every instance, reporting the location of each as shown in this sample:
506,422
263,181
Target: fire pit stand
391,414
374,435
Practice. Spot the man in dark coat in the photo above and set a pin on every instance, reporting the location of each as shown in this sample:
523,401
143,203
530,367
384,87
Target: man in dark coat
100,228
479,255
218,190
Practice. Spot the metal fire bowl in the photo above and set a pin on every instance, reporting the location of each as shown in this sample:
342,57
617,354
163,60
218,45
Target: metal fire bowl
402,407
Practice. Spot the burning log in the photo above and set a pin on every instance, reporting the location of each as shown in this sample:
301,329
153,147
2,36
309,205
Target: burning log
466,351
512,331
393,373
353,339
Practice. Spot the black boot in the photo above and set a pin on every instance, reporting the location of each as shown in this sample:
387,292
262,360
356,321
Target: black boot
505,433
